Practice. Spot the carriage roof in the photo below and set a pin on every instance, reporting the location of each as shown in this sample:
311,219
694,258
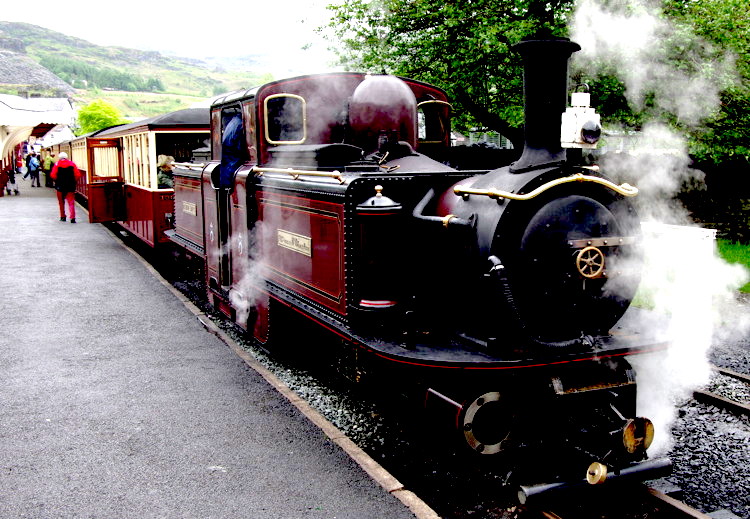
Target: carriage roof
189,117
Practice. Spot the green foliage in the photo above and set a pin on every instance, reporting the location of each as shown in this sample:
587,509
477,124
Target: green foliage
464,47
726,24
83,75
735,253
97,115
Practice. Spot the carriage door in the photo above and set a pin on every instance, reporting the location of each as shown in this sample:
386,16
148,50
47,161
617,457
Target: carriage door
106,197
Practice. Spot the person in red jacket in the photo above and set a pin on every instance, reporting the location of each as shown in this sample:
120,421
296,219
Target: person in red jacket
65,174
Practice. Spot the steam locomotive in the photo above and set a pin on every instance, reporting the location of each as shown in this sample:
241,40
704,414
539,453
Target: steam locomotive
502,295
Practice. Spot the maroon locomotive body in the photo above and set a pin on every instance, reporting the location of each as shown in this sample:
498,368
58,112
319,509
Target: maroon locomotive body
499,293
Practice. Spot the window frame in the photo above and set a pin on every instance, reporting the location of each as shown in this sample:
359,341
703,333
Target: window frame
266,119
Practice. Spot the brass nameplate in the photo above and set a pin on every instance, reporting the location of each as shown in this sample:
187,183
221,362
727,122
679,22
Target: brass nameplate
190,208
295,242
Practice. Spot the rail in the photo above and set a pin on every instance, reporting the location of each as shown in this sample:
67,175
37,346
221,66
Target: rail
642,501
623,189
673,508
190,165
296,173
715,399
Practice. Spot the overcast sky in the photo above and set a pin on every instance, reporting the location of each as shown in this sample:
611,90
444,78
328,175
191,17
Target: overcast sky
193,29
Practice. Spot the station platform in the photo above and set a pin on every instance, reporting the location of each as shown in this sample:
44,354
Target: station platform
116,401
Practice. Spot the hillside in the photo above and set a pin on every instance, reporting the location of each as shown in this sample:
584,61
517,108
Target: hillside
23,76
139,83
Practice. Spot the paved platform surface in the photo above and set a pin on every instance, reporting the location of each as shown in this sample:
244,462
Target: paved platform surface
116,402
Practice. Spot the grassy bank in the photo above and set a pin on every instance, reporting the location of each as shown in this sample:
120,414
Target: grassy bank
735,253
139,105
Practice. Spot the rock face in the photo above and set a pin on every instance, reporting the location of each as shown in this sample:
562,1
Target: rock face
21,73
12,44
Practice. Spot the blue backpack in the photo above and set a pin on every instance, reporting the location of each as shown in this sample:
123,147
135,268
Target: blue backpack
34,163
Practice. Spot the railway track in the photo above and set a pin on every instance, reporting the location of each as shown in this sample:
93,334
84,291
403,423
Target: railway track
639,502
729,390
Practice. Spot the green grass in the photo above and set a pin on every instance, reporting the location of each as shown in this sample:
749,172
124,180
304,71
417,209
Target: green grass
735,253
135,105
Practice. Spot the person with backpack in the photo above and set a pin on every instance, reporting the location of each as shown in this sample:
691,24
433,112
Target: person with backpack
65,174
34,165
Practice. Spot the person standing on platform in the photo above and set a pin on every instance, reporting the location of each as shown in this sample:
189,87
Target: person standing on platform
47,164
12,177
11,185
65,174
34,166
27,159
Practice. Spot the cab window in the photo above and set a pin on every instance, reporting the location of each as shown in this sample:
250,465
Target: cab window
285,117
433,121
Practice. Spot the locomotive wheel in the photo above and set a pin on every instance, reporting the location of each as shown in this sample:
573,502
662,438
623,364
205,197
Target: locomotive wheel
486,424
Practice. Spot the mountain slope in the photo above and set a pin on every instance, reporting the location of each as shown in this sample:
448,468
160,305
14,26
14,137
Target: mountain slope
95,71
27,76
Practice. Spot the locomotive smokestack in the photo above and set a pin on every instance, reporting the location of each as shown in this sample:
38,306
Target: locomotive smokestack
545,85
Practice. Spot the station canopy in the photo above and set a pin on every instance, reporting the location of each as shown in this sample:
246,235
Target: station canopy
22,118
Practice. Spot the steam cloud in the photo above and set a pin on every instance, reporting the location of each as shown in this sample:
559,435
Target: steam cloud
246,291
684,277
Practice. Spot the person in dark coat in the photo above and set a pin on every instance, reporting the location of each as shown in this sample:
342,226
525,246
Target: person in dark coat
66,174
11,185
233,152
34,166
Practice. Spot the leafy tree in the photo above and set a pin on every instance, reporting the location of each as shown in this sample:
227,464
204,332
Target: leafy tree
726,24
465,47
154,84
97,115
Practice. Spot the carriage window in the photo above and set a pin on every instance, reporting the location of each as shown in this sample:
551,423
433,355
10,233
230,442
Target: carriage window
285,119
433,123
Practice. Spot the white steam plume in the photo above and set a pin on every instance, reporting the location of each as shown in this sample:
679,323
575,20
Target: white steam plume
686,281
634,40
250,269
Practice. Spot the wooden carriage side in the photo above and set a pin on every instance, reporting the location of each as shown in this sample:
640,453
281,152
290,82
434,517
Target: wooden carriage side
123,185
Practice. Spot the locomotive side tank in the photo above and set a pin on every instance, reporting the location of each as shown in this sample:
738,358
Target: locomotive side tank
499,294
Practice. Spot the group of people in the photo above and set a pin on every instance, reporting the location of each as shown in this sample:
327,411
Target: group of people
63,174
60,173
34,165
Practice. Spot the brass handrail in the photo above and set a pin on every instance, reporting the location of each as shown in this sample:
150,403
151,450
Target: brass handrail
189,165
296,173
623,189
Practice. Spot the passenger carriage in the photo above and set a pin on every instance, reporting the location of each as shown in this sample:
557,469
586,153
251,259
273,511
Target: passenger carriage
119,167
